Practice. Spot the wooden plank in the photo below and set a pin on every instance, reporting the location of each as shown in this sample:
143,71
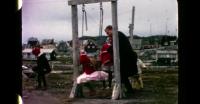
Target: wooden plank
77,2
117,93
75,49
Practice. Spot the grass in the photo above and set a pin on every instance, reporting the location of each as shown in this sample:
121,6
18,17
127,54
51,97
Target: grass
162,86
159,86
65,60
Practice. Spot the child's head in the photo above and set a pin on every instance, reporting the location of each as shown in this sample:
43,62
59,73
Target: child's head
36,51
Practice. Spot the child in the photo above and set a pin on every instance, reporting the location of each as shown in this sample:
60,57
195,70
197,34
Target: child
137,79
88,62
42,68
107,62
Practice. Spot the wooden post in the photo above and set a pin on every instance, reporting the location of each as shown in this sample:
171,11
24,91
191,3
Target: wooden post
75,49
131,26
117,93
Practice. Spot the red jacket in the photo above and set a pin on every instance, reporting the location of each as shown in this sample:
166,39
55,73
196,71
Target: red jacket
105,57
85,61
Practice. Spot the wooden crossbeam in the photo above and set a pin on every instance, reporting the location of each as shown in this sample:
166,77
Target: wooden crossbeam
77,2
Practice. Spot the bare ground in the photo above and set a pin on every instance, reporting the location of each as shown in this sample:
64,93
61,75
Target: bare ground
160,87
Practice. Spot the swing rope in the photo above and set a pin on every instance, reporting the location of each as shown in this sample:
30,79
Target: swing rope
84,19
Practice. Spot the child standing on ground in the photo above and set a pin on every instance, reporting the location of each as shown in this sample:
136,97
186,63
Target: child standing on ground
106,63
137,79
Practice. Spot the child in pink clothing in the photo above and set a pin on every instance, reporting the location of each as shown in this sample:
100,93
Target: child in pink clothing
89,71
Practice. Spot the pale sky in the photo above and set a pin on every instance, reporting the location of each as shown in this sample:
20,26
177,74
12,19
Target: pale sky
46,19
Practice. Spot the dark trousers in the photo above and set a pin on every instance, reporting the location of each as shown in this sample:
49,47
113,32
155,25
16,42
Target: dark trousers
41,79
80,89
89,86
109,79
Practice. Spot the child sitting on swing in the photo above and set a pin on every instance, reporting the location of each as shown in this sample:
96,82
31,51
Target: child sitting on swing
90,73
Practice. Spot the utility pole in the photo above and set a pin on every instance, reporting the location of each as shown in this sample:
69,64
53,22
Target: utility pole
166,27
150,29
150,26
131,26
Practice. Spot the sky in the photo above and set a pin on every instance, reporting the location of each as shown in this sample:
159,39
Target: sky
47,19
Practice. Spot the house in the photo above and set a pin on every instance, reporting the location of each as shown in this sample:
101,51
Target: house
147,54
166,57
62,46
47,41
150,46
27,54
137,43
32,41
90,46
49,46
172,43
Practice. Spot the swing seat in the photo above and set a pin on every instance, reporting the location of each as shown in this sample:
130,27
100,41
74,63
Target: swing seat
95,76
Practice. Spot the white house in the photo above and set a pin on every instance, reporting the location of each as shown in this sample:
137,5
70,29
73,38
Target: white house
137,43
27,53
167,54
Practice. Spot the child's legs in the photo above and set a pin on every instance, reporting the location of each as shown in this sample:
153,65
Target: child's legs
137,83
140,81
104,83
109,71
44,80
109,78
89,86
105,69
39,80
79,90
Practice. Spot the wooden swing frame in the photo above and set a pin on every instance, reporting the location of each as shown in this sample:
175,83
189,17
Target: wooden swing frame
117,92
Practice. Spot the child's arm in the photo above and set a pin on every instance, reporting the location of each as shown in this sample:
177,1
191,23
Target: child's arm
141,64
84,59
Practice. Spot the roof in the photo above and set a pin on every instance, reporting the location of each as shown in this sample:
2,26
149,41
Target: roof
32,39
169,51
29,50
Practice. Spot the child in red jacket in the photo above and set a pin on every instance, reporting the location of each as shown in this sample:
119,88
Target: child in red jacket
88,62
106,59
